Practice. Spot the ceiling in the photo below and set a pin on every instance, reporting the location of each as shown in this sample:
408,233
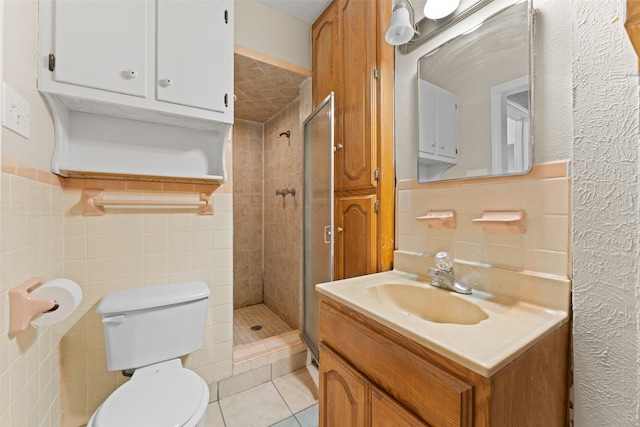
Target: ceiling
304,10
263,90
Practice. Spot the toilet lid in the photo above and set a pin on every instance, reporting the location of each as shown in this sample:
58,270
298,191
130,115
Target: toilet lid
162,399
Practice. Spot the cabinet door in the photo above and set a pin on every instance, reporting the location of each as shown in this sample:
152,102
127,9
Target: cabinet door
101,44
428,120
344,393
355,219
355,96
195,53
447,123
387,412
324,39
438,124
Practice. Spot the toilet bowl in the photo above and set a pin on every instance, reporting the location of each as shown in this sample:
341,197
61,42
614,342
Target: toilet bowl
146,332
165,394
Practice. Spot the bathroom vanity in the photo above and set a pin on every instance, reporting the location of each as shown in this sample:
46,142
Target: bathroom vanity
384,364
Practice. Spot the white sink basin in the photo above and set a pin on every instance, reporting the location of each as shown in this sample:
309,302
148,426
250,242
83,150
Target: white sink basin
482,331
428,303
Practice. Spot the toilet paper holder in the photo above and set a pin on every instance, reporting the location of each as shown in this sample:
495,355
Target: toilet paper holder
23,306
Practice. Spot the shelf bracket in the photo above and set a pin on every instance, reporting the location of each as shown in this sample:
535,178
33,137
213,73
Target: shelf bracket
511,222
439,219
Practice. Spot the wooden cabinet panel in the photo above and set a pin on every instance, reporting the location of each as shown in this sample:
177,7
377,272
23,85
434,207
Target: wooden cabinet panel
355,219
436,396
386,412
411,383
324,40
344,400
357,160
351,58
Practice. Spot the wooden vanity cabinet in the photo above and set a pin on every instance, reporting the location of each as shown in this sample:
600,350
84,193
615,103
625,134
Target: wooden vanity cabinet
371,375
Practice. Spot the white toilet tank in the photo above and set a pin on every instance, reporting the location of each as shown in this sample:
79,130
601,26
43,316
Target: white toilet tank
143,326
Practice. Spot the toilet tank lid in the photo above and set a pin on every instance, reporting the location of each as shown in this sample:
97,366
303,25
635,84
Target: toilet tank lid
152,296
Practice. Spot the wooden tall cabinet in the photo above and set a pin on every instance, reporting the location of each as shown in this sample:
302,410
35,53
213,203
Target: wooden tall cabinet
351,58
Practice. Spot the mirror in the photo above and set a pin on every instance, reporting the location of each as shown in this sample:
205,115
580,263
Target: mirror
474,101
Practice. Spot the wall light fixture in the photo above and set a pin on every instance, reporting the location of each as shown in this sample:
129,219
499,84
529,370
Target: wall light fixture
402,27
408,34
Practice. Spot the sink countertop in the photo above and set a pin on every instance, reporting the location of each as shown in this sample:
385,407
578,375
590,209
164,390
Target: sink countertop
512,327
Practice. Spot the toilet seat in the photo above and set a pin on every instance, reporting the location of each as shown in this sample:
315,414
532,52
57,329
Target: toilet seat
165,394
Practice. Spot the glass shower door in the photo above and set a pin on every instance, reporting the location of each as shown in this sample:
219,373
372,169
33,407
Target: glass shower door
318,215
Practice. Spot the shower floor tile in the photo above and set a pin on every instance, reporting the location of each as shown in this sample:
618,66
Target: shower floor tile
255,323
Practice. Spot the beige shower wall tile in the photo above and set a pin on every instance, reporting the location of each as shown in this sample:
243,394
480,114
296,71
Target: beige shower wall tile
129,245
547,232
505,256
467,230
473,252
548,196
545,203
32,245
549,262
101,246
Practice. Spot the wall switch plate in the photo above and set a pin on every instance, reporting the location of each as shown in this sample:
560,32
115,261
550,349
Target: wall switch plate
15,111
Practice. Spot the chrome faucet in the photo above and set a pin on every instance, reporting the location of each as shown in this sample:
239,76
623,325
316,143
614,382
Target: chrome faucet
443,277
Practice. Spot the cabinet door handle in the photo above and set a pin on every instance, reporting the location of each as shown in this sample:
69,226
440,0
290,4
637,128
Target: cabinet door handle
337,147
167,82
132,74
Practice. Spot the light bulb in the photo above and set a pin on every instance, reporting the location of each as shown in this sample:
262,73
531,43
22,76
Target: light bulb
437,9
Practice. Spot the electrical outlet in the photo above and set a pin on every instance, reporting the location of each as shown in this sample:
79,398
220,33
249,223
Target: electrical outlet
15,111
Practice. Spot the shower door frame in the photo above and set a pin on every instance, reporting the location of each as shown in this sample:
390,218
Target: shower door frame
310,308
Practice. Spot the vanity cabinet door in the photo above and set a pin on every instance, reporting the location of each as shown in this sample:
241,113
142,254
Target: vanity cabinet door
387,412
100,44
355,240
344,393
193,55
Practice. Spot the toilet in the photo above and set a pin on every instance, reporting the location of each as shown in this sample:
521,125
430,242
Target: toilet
146,331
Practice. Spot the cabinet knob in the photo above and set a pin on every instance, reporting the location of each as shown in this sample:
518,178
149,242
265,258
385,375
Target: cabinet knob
132,74
167,82
337,147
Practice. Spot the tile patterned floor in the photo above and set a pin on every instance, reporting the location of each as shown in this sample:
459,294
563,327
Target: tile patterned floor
287,401
256,315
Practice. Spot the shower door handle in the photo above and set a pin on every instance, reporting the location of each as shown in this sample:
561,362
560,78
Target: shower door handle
327,234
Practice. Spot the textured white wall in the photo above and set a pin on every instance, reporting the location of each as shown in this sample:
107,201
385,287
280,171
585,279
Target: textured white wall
606,294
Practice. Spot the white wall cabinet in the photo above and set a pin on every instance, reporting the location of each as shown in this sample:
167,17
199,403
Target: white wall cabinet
100,45
165,63
438,128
